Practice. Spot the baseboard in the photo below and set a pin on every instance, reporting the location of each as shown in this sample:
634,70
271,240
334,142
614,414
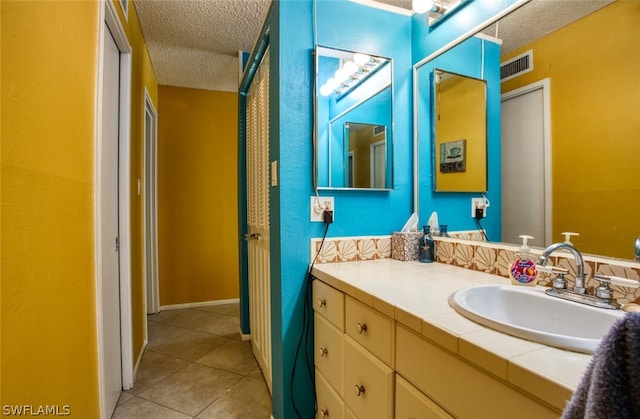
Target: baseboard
199,304
243,337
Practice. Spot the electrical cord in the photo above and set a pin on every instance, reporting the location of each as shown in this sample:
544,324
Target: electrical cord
306,327
481,229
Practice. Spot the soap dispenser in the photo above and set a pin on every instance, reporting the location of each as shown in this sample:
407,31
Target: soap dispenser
523,270
426,250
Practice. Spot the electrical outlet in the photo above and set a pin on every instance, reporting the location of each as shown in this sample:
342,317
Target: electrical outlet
478,203
318,205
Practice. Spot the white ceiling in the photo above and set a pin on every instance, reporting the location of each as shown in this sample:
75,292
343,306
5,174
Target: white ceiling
195,43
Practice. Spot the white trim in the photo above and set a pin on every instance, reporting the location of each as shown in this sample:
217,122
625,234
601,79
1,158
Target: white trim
98,216
545,85
124,6
199,304
486,37
152,293
108,15
244,337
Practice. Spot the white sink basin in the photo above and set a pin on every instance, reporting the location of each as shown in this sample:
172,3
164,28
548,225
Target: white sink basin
530,314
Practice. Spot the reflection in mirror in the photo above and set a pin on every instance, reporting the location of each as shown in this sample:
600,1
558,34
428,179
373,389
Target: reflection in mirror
593,138
354,136
460,132
366,150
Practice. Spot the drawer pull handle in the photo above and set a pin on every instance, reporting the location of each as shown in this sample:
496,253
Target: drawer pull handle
324,413
361,327
323,351
359,390
322,302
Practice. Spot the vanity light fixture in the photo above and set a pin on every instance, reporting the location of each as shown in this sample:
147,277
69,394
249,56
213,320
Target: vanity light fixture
349,74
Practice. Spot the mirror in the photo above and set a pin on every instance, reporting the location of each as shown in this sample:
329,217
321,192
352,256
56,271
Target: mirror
594,138
354,129
460,133
592,66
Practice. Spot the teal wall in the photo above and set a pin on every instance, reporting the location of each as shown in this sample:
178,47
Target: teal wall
289,31
454,208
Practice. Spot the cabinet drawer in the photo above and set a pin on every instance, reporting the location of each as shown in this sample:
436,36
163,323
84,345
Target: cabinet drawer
329,302
370,329
410,403
328,343
368,383
457,386
330,405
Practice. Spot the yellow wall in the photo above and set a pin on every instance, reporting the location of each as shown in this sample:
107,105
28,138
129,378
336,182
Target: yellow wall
197,196
460,118
48,278
593,65
49,72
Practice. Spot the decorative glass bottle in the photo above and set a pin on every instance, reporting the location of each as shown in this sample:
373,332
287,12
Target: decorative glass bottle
426,251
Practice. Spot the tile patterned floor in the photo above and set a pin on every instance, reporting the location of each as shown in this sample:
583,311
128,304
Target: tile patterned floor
196,366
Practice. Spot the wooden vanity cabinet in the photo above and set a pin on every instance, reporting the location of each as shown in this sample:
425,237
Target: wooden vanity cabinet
354,354
457,386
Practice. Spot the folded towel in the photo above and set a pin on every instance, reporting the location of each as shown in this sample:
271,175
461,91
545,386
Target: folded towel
610,387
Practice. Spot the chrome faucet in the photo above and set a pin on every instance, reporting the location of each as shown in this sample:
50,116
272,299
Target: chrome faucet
579,286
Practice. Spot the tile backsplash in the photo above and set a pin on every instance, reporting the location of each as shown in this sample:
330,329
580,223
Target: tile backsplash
468,250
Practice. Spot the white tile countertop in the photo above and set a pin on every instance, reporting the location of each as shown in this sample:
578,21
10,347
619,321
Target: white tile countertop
415,294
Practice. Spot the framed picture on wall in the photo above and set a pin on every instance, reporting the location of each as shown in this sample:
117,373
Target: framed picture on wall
453,156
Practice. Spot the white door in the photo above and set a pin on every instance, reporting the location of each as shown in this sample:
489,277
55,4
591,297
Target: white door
110,344
526,165
257,155
150,206
378,153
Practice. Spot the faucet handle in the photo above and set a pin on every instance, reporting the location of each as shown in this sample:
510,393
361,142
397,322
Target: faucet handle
559,282
552,269
616,280
603,290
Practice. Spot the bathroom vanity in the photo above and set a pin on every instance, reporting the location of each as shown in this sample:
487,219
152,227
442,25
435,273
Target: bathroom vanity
387,344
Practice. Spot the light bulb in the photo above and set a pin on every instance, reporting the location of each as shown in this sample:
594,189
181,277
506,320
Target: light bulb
350,67
325,90
361,59
341,75
332,83
422,6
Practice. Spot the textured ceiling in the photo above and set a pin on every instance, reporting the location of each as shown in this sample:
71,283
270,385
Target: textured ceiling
195,43
539,18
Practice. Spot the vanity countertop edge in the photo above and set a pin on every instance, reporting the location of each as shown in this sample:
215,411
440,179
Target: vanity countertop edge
416,295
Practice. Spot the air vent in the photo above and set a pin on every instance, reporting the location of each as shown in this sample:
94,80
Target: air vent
379,129
516,66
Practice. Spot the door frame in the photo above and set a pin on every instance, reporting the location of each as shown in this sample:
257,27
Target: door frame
545,86
109,16
152,292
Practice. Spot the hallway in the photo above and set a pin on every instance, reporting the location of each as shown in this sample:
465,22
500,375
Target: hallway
196,366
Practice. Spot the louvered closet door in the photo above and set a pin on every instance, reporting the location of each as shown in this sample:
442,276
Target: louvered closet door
258,217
